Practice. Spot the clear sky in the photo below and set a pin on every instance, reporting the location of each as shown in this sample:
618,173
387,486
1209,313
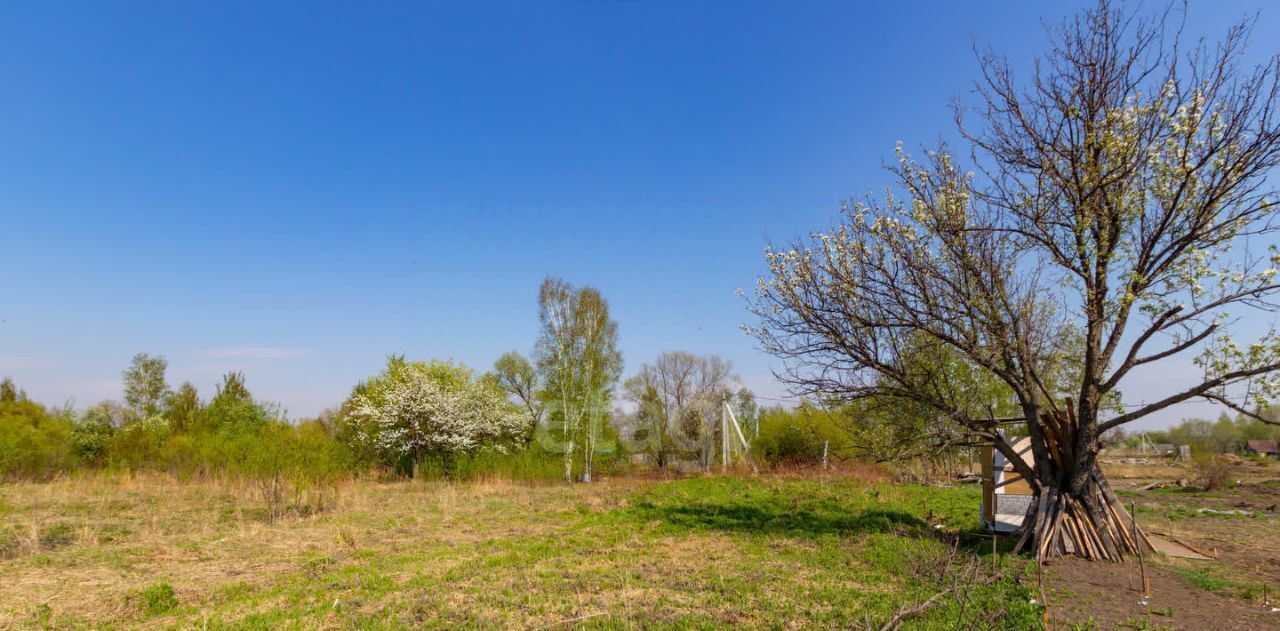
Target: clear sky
298,189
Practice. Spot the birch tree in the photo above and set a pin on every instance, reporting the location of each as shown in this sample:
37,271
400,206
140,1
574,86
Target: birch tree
1122,192
145,388
578,358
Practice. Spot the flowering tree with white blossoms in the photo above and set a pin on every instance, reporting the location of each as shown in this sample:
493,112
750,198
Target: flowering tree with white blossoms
1122,195
435,409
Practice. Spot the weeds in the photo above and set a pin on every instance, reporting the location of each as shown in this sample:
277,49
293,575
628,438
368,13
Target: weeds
156,599
1212,471
347,537
1210,578
968,591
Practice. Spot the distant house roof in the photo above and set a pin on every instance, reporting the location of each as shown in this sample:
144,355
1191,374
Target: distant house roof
1263,445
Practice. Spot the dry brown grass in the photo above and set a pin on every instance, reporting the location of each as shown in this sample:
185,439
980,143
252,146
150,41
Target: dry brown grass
115,534
766,551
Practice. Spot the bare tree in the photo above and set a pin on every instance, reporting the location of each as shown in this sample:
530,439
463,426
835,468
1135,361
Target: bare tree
650,424
678,398
1121,195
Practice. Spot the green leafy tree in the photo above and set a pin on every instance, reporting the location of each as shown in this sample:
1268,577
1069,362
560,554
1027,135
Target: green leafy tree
93,432
145,389
9,392
33,442
233,410
578,358
232,388
182,407
518,378
748,412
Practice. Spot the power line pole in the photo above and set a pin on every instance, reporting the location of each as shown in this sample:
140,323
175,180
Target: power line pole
724,436
731,420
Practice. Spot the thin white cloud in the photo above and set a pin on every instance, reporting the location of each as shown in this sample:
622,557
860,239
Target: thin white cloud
254,352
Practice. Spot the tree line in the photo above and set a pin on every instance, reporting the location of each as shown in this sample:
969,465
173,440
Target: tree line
1227,434
562,411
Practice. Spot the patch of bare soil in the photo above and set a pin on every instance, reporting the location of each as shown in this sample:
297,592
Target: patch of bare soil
1109,594
1239,527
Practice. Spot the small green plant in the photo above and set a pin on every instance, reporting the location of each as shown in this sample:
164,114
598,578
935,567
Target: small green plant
157,599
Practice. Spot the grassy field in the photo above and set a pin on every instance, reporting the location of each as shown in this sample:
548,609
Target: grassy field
116,552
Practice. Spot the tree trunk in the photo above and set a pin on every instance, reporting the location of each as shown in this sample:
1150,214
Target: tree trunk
568,461
1075,512
1088,522
589,451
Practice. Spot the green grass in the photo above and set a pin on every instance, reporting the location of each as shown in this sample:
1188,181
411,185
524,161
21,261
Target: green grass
700,553
1213,578
1180,512
1186,491
157,599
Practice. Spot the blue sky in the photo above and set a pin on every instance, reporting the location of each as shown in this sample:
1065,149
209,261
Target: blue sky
299,189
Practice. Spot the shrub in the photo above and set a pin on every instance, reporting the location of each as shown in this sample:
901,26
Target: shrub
1212,471
92,436
797,437
783,443
140,444
292,466
33,443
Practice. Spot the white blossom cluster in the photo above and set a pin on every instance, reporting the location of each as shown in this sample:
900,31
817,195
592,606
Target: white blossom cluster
420,415
1225,357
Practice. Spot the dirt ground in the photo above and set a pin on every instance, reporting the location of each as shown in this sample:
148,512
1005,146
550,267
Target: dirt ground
1108,594
1239,527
